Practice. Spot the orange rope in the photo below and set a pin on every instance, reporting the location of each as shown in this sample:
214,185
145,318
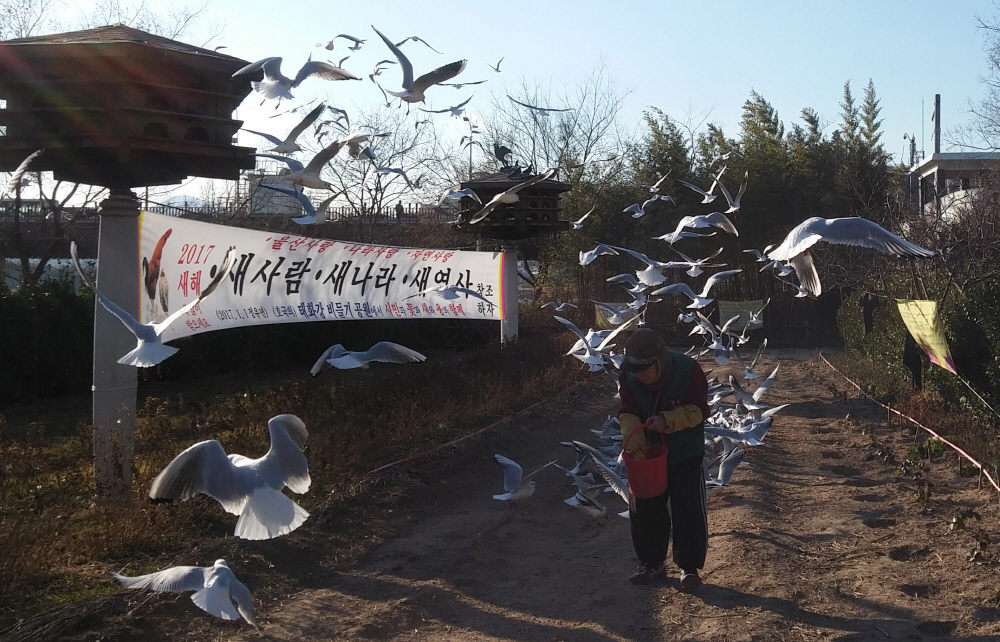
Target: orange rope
917,423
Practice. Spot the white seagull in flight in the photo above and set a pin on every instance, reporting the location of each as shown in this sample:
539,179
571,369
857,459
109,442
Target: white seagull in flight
215,588
413,90
289,146
250,488
277,85
855,231
149,351
336,356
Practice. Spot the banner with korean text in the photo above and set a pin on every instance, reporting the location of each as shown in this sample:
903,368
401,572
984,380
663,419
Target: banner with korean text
924,323
283,278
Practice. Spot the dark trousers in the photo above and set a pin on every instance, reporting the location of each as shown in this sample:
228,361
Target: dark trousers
684,505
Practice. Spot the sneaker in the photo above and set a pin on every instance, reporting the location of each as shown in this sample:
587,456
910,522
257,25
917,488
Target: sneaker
646,574
690,581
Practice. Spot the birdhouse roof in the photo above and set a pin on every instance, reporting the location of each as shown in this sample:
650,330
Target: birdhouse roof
117,33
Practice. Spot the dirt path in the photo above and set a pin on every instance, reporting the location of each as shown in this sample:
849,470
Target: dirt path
816,539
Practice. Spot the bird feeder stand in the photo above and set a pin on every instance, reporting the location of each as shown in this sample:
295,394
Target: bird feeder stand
534,215
120,108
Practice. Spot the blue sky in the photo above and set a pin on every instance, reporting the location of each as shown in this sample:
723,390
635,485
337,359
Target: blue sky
689,58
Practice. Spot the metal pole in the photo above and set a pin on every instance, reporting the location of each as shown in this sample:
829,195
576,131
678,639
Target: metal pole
508,322
114,389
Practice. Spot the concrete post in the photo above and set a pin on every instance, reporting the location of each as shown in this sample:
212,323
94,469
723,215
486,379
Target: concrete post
115,384
508,322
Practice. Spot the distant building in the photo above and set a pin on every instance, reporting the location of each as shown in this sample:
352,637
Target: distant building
268,202
944,183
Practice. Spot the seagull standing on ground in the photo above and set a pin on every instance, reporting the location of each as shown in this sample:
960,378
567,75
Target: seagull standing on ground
250,488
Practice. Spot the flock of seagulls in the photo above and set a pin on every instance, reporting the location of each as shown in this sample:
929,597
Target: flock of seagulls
252,489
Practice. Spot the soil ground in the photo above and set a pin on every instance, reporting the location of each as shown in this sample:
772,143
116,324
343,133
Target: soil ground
816,539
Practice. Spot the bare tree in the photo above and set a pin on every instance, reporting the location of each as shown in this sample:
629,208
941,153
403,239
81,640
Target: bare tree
551,139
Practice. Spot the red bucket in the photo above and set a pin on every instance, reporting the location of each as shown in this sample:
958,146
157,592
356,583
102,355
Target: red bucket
646,477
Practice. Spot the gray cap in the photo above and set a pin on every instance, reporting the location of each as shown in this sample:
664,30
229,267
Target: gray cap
642,349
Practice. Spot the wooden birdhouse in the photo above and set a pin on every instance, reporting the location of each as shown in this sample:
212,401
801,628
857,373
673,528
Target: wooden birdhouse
121,108
536,213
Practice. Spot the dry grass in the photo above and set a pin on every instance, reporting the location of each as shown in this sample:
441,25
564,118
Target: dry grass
66,542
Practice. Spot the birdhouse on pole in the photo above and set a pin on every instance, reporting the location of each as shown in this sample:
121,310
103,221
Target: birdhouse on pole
120,108
535,214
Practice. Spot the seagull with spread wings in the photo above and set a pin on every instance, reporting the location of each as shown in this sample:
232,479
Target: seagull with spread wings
456,111
313,214
250,488
417,39
734,203
329,43
413,90
704,221
289,146
453,193
496,67
336,356
309,175
215,589
541,110
700,300
708,196
15,178
459,85
509,195
450,293
149,351
856,231
578,224
277,85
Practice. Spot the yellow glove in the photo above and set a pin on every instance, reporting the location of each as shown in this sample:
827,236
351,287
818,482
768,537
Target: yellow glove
636,446
681,418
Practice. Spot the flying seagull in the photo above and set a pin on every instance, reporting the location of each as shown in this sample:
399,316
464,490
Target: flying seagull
509,196
515,486
309,175
715,219
277,85
289,146
329,43
726,156
215,588
456,111
398,171
413,90
854,230
586,258
148,350
250,488
734,203
495,67
578,224
417,39
697,300
453,193
459,85
638,211
540,109
562,307
313,214
15,178
708,196
384,352
450,293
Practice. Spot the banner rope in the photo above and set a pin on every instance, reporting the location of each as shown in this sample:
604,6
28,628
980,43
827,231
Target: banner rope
477,432
961,452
